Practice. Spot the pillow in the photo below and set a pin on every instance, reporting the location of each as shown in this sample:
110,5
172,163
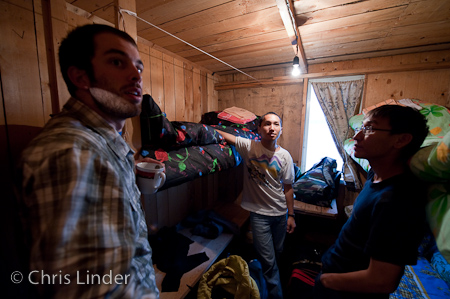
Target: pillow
438,120
211,118
237,115
432,164
356,121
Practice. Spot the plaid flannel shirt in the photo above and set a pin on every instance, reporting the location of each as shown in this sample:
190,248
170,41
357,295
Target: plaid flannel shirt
81,211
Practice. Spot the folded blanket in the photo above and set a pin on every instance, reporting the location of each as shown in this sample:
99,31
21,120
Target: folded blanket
237,115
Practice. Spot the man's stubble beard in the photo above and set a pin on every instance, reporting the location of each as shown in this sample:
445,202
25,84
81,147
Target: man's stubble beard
113,104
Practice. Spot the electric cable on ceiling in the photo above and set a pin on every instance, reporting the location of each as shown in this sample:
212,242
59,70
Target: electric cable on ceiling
176,37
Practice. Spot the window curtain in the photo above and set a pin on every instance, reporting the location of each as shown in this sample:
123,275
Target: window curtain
340,101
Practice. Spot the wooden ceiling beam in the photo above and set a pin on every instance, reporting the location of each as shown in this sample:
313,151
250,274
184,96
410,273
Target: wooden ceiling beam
286,12
286,80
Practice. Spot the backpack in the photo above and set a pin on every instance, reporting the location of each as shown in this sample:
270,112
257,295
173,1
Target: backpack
319,185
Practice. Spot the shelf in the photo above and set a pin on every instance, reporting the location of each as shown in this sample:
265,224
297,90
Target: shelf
313,210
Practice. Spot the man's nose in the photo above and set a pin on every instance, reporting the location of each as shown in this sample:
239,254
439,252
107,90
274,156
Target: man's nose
357,134
136,74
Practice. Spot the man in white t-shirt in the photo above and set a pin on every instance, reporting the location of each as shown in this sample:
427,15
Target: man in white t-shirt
267,194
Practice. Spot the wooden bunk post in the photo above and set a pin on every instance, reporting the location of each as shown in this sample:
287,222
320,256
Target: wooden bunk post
54,16
126,22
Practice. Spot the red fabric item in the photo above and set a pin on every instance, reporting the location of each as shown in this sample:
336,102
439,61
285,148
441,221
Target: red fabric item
237,115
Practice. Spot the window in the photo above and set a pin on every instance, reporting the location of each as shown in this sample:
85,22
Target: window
317,141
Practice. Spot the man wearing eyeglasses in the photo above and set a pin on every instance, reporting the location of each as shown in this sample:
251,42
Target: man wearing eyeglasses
386,226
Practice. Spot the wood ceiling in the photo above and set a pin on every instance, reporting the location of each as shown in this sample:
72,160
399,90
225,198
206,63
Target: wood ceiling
248,34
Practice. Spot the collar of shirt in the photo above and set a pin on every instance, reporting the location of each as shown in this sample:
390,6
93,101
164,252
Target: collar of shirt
95,122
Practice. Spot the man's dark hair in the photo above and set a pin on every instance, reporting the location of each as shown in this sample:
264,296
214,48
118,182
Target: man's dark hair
262,118
404,120
78,49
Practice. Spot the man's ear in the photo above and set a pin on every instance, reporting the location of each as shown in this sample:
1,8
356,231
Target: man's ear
403,140
79,77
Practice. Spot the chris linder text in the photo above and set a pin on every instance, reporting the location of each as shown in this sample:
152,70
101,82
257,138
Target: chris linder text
39,277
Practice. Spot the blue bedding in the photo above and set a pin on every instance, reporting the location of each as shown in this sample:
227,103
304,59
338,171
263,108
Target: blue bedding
421,281
429,278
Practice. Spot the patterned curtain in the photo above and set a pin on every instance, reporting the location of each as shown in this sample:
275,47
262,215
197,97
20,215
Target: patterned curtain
340,101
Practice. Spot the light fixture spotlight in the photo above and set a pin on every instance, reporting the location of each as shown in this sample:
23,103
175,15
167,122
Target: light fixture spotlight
296,66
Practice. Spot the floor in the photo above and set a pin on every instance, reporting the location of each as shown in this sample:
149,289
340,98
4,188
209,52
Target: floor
311,238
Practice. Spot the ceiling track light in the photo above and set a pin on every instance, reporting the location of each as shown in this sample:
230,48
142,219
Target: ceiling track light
296,66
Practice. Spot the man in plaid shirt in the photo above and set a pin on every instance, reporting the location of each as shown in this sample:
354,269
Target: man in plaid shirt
84,226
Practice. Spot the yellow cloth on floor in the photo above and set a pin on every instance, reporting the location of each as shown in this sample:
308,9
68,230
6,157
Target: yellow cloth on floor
232,275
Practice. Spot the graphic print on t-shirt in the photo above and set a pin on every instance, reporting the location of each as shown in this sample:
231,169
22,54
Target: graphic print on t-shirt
258,167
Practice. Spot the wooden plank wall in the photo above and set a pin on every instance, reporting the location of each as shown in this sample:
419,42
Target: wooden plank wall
428,86
183,90
415,76
25,92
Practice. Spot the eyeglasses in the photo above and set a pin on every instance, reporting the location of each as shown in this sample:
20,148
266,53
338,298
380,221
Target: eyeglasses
369,130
